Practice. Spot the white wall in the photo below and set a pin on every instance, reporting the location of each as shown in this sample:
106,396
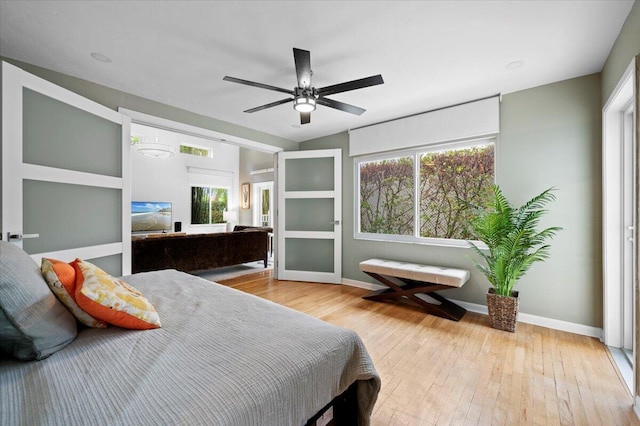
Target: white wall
169,180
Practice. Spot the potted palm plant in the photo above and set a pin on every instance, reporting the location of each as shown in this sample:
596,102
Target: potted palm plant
513,245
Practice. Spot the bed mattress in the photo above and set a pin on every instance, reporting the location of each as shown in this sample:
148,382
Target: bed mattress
222,357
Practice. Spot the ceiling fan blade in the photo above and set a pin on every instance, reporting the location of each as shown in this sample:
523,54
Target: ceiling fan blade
302,59
272,104
374,80
340,105
254,84
305,117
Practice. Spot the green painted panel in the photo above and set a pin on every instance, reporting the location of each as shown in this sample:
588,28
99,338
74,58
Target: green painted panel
112,265
309,174
70,216
314,214
309,255
62,136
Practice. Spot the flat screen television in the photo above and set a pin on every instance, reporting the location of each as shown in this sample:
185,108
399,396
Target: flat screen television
147,216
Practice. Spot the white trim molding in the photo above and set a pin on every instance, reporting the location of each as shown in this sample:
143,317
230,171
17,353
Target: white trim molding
91,252
612,199
555,324
199,132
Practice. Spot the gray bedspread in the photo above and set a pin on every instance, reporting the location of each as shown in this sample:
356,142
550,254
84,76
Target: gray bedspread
222,357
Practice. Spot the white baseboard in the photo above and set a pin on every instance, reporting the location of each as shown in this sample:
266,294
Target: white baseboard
362,284
555,324
636,405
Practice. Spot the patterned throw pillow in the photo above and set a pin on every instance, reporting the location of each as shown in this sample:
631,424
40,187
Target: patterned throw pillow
61,279
112,300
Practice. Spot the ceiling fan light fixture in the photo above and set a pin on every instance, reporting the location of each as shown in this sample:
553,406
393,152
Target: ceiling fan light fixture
304,104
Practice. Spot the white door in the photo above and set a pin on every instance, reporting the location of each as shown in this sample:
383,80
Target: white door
309,231
65,174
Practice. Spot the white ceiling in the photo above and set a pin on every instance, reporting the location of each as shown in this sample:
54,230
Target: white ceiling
431,54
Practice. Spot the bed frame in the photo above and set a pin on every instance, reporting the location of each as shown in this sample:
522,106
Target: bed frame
342,411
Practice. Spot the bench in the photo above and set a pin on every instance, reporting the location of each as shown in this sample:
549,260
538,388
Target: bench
418,284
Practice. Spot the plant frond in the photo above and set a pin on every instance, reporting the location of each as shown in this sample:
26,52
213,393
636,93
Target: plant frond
512,238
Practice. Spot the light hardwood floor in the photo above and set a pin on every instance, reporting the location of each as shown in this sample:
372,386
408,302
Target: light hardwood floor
439,372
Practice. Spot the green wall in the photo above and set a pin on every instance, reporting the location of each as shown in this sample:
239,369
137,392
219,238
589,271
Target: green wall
113,98
625,48
550,136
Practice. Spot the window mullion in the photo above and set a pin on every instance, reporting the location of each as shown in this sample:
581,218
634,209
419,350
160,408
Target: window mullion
416,195
210,207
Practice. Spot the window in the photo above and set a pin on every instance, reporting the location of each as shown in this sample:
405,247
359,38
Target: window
423,195
386,196
194,150
207,205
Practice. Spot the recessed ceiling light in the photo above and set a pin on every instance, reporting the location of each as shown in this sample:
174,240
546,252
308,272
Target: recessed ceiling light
515,64
100,57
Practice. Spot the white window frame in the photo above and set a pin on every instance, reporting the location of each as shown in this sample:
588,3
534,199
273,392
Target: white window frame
227,188
415,152
192,145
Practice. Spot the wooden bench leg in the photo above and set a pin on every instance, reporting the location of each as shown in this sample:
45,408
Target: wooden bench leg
446,309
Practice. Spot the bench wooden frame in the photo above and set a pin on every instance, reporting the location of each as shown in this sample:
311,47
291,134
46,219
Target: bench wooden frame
408,290
446,309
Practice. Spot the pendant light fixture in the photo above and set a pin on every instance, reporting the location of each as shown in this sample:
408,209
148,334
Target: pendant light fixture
155,149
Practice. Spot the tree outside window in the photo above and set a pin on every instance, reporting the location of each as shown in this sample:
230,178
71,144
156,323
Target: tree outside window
386,196
207,205
194,150
450,182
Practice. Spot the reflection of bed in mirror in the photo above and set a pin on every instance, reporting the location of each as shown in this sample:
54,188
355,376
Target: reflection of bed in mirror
222,357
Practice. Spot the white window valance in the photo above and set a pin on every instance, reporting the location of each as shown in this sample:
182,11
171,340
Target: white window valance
470,120
203,177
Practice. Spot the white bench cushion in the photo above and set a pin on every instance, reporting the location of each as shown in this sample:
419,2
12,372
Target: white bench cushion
413,271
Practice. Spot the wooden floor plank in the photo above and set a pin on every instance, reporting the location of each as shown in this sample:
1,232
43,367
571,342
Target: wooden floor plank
440,372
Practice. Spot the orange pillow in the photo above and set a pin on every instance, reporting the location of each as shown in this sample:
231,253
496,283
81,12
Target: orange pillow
61,279
112,300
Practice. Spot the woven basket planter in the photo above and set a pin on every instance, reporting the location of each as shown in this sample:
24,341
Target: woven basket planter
503,310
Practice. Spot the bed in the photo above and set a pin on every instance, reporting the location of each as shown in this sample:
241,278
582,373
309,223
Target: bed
222,357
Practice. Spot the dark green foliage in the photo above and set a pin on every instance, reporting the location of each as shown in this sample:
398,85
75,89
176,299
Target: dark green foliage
513,242
207,205
386,196
450,183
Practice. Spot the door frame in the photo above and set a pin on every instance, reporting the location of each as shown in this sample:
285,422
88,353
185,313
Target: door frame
612,200
614,232
258,187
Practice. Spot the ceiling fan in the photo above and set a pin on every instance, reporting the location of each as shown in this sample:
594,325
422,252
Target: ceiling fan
306,97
